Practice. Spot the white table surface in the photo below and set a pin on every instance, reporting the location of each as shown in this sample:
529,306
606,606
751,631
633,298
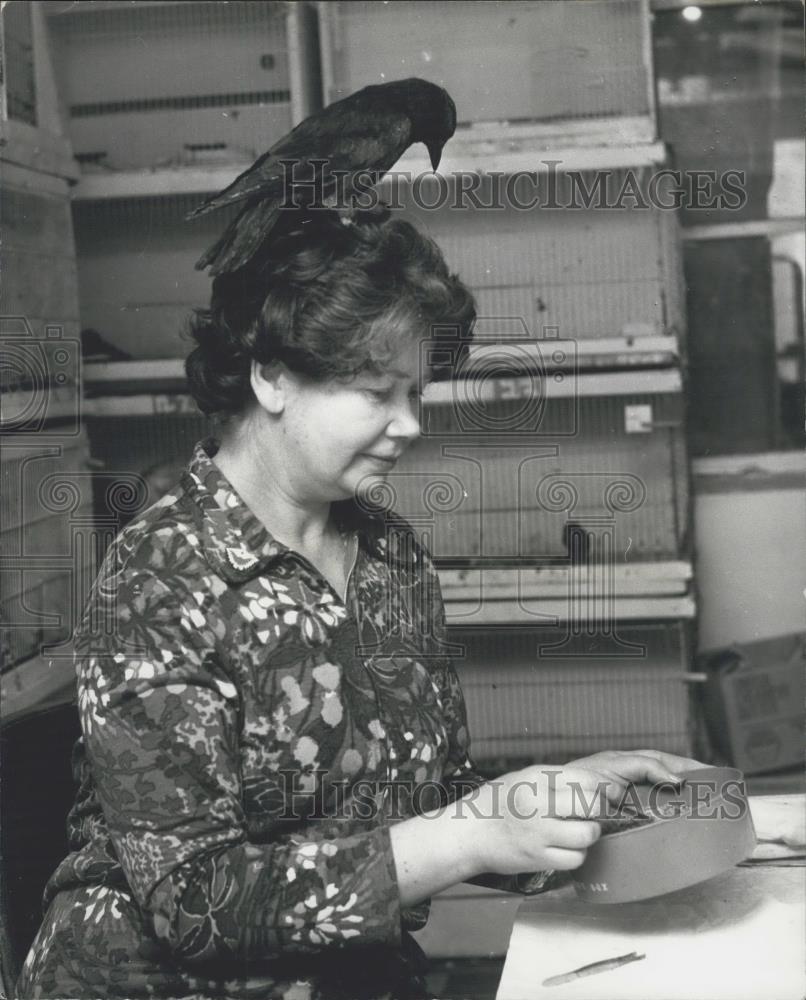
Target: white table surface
740,936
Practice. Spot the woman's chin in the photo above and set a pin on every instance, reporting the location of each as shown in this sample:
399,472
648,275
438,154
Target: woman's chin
374,490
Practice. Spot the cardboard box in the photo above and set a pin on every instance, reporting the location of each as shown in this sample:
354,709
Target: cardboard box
754,702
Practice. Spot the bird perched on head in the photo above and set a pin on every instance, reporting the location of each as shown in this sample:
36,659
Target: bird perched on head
329,154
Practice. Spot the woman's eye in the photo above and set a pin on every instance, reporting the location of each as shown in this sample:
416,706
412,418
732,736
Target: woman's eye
384,394
381,395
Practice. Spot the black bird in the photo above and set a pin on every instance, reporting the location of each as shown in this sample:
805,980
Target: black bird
363,134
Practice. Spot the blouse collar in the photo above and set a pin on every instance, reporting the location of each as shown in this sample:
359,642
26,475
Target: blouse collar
240,547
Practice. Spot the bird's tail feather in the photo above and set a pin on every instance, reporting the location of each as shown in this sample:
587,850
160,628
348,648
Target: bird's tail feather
230,196
241,240
206,206
248,184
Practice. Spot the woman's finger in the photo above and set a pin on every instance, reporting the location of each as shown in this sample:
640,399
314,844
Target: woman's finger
672,761
571,834
595,777
643,768
560,859
579,835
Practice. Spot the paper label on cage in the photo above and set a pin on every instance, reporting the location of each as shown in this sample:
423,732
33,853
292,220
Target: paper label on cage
638,419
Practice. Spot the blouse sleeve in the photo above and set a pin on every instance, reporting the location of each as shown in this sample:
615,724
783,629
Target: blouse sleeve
461,773
161,721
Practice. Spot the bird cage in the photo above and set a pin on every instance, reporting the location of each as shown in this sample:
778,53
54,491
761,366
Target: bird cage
560,64
136,276
585,260
548,468
609,279
146,85
46,514
18,55
140,420
534,695
154,445
142,428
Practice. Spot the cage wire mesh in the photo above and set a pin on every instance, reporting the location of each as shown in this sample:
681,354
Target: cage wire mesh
41,564
133,103
532,61
150,85
527,703
487,495
587,273
18,69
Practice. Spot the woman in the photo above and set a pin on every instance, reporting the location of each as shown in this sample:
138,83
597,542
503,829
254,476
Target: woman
270,727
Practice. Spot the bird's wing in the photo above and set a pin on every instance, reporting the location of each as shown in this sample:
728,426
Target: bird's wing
369,145
350,141
265,176
241,240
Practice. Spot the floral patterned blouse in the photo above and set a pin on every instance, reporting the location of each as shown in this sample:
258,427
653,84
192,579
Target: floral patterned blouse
249,738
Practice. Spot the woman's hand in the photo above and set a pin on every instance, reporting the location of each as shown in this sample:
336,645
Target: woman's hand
637,766
544,817
538,818
520,822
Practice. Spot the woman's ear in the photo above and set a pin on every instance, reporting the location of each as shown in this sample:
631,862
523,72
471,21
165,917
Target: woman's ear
270,385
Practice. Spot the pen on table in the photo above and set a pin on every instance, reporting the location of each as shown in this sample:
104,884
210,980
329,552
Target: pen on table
590,970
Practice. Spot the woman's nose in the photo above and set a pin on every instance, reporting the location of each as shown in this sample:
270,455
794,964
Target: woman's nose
405,423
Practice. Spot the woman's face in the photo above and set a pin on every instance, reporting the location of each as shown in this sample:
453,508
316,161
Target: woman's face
345,435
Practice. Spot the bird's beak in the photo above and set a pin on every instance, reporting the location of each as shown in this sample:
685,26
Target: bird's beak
435,154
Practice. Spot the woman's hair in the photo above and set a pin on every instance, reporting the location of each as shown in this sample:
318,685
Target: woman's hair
329,296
